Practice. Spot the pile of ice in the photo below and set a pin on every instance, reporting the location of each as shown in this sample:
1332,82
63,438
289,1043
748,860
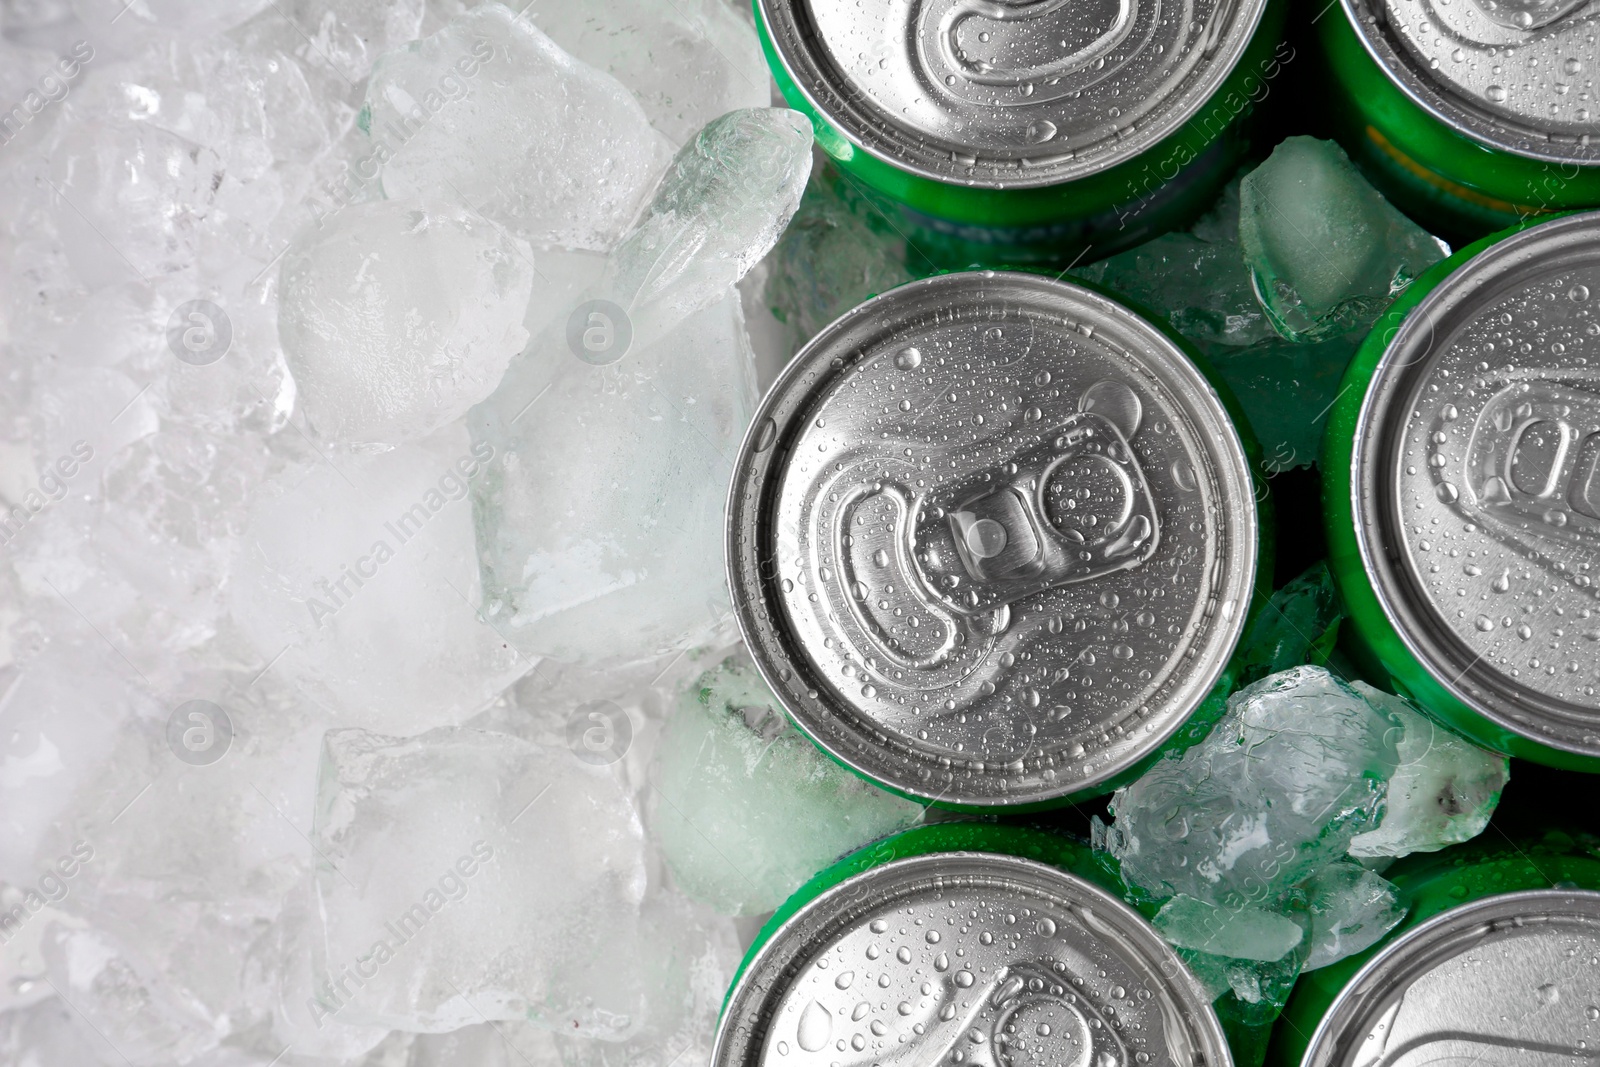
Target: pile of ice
1262,837
372,373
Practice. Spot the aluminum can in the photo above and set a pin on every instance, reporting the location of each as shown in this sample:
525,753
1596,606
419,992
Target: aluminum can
964,944
1495,963
1471,115
992,539
1462,493
1005,134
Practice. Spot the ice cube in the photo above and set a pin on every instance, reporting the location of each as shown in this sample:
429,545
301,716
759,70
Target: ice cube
838,251
491,113
465,876
356,582
400,315
720,207
1442,793
1243,932
687,62
51,1034
1294,770
1351,908
1298,625
1328,253
127,27
1197,280
733,778
599,556
349,35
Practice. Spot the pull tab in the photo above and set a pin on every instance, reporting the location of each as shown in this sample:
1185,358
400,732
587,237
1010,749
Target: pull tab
1074,508
1533,462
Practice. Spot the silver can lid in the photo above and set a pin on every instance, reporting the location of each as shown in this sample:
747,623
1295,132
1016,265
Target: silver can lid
1476,483
967,958
1009,96
991,539
1521,75
1506,979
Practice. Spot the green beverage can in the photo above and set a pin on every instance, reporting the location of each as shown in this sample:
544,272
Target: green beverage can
965,945
1497,962
1461,493
1015,133
992,539
1471,115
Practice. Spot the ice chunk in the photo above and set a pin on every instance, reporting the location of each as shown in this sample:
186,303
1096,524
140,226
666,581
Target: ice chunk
356,582
130,199
465,875
1351,908
349,35
687,62
1201,284
1443,792
1244,932
400,315
838,251
1328,253
1295,769
1298,625
1197,280
721,207
734,778
597,553
490,112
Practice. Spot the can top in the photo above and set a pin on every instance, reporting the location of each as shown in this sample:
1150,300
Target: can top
1509,978
967,958
1476,483
1010,96
1520,75
992,539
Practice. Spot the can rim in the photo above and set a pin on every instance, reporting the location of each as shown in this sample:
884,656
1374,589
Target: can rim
819,919
1512,706
1423,947
756,476
805,71
1449,108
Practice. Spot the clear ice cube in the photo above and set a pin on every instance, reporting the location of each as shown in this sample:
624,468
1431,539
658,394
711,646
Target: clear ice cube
1327,252
489,112
1350,908
733,778
400,315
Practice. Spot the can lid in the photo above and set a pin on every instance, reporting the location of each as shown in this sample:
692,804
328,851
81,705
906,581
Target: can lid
1010,96
1509,978
1476,483
991,539
967,958
1520,75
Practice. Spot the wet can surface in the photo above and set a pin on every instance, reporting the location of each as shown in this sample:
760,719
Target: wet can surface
964,944
1024,133
991,540
1462,493
1496,962
1471,115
